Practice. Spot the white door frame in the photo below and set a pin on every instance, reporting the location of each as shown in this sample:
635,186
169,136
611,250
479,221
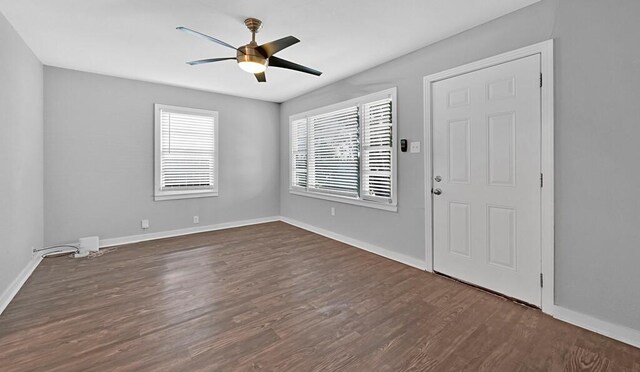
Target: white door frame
545,49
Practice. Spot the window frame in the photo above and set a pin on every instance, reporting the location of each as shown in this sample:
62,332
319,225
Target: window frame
160,194
361,200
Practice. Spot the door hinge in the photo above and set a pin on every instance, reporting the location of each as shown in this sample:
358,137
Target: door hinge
541,180
541,281
541,80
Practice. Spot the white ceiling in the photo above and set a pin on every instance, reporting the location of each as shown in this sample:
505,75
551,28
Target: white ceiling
137,38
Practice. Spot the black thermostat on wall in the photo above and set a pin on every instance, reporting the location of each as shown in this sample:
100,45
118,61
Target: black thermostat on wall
403,145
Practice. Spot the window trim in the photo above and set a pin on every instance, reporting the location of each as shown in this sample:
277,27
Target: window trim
160,194
345,200
366,201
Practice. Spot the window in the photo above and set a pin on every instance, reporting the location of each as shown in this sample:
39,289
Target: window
345,152
186,153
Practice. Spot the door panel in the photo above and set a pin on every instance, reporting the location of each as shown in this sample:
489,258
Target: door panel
459,151
486,149
501,149
460,234
501,226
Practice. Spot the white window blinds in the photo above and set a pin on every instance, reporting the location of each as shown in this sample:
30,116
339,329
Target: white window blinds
346,150
334,152
299,153
376,149
186,151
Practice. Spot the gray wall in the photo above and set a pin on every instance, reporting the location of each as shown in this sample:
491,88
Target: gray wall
597,152
597,64
98,150
20,154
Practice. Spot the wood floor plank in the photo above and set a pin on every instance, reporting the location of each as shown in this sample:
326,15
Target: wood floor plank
275,297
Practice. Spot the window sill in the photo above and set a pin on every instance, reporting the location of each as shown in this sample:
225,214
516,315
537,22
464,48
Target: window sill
184,195
342,199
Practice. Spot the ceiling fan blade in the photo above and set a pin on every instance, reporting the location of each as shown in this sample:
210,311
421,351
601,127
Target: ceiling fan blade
282,63
273,47
209,60
210,38
262,78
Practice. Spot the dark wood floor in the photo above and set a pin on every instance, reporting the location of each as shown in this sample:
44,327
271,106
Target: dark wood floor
276,297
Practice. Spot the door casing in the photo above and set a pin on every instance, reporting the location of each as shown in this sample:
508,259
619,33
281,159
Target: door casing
545,49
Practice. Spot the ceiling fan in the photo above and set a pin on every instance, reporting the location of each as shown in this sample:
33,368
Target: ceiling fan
255,58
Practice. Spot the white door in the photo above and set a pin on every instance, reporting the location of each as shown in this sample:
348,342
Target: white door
486,168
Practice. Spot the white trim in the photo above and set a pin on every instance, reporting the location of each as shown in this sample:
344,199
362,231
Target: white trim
186,231
617,332
395,256
547,168
545,49
160,194
345,199
18,282
185,194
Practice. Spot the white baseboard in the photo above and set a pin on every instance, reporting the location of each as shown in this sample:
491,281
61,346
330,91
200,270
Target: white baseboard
189,230
18,282
617,332
395,256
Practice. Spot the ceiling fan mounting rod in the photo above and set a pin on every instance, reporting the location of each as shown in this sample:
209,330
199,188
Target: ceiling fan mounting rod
253,24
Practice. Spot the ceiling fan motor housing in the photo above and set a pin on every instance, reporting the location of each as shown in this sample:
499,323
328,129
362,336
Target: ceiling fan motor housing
249,53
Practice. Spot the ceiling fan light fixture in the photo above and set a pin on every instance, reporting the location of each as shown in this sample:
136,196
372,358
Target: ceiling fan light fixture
253,67
250,60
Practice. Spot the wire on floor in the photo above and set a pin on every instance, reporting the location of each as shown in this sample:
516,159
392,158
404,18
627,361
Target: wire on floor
57,252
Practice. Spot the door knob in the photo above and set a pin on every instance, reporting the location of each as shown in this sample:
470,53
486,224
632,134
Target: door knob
437,191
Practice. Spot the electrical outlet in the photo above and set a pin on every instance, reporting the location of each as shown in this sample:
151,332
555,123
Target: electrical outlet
145,224
333,211
196,219
415,147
